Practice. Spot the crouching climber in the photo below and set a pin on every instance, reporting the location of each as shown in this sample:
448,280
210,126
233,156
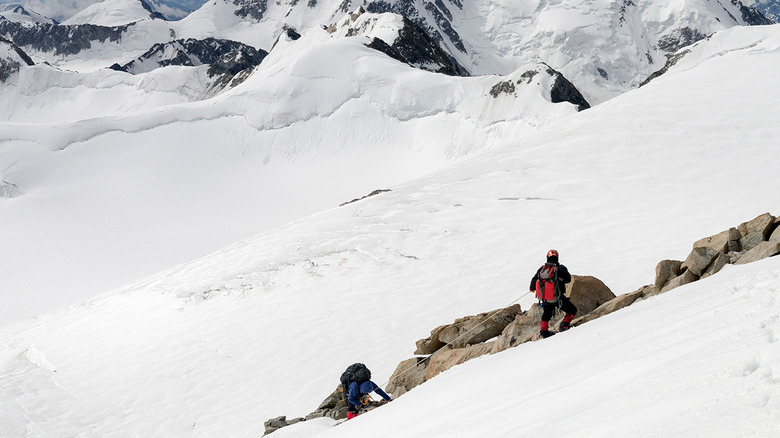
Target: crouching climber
356,387
549,283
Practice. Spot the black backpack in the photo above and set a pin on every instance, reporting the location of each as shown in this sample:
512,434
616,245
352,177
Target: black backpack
357,372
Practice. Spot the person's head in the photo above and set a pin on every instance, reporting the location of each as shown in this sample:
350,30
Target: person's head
552,256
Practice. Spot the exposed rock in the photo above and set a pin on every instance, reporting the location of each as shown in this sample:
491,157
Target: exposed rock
614,304
671,60
760,251
720,261
685,278
753,16
755,231
254,9
373,193
277,423
60,39
665,270
587,293
722,242
521,330
564,91
447,358
478,328
415,47
408,8
432,343
699,259
775,236
679,38
406,376
503,87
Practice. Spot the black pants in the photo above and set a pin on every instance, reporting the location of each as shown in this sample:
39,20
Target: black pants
565,304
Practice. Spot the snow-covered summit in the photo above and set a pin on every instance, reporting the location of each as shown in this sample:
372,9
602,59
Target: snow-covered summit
113,13
18,13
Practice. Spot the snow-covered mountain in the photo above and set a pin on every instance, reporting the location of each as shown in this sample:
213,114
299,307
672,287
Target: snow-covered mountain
18,13
263,327
113,13
604,48
769,8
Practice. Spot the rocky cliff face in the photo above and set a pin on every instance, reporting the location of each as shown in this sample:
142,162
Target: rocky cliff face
416,48
59,39
11,60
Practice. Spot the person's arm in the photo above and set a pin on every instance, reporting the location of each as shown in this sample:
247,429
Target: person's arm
563,274
381,393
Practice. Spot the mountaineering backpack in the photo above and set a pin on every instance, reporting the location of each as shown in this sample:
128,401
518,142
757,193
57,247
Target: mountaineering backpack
357,372
547,285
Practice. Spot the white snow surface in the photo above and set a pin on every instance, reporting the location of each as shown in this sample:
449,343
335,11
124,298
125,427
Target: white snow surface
264,327
18,13
155,182
110,13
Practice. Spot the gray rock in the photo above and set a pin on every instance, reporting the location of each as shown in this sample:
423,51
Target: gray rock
588,293
722,242
760,251
775,236
614,304
755,231
720,261
406,376
521,330
275,424
685,278
432,343
699,259
665,270
475,329
447,358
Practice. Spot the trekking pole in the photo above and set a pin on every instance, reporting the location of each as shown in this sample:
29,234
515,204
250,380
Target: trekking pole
459,337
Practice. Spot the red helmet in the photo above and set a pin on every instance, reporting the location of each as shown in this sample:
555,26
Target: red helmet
552,253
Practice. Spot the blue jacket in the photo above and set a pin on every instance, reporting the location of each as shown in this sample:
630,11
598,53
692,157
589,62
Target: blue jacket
356,391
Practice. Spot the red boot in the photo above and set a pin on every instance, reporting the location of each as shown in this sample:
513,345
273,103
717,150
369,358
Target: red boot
351,415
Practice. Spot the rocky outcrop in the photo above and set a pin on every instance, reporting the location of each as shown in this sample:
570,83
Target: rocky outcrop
60,39
253,9
469,330
415,47
756,231
437,11
758,252
488,333
230,62
492,332
752,16
561,90
565,91
12,61
745,243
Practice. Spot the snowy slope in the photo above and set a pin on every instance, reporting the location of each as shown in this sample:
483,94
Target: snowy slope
110,13
322,121
216,346
17,12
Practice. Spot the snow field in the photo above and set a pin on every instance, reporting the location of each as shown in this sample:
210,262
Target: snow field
265,326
